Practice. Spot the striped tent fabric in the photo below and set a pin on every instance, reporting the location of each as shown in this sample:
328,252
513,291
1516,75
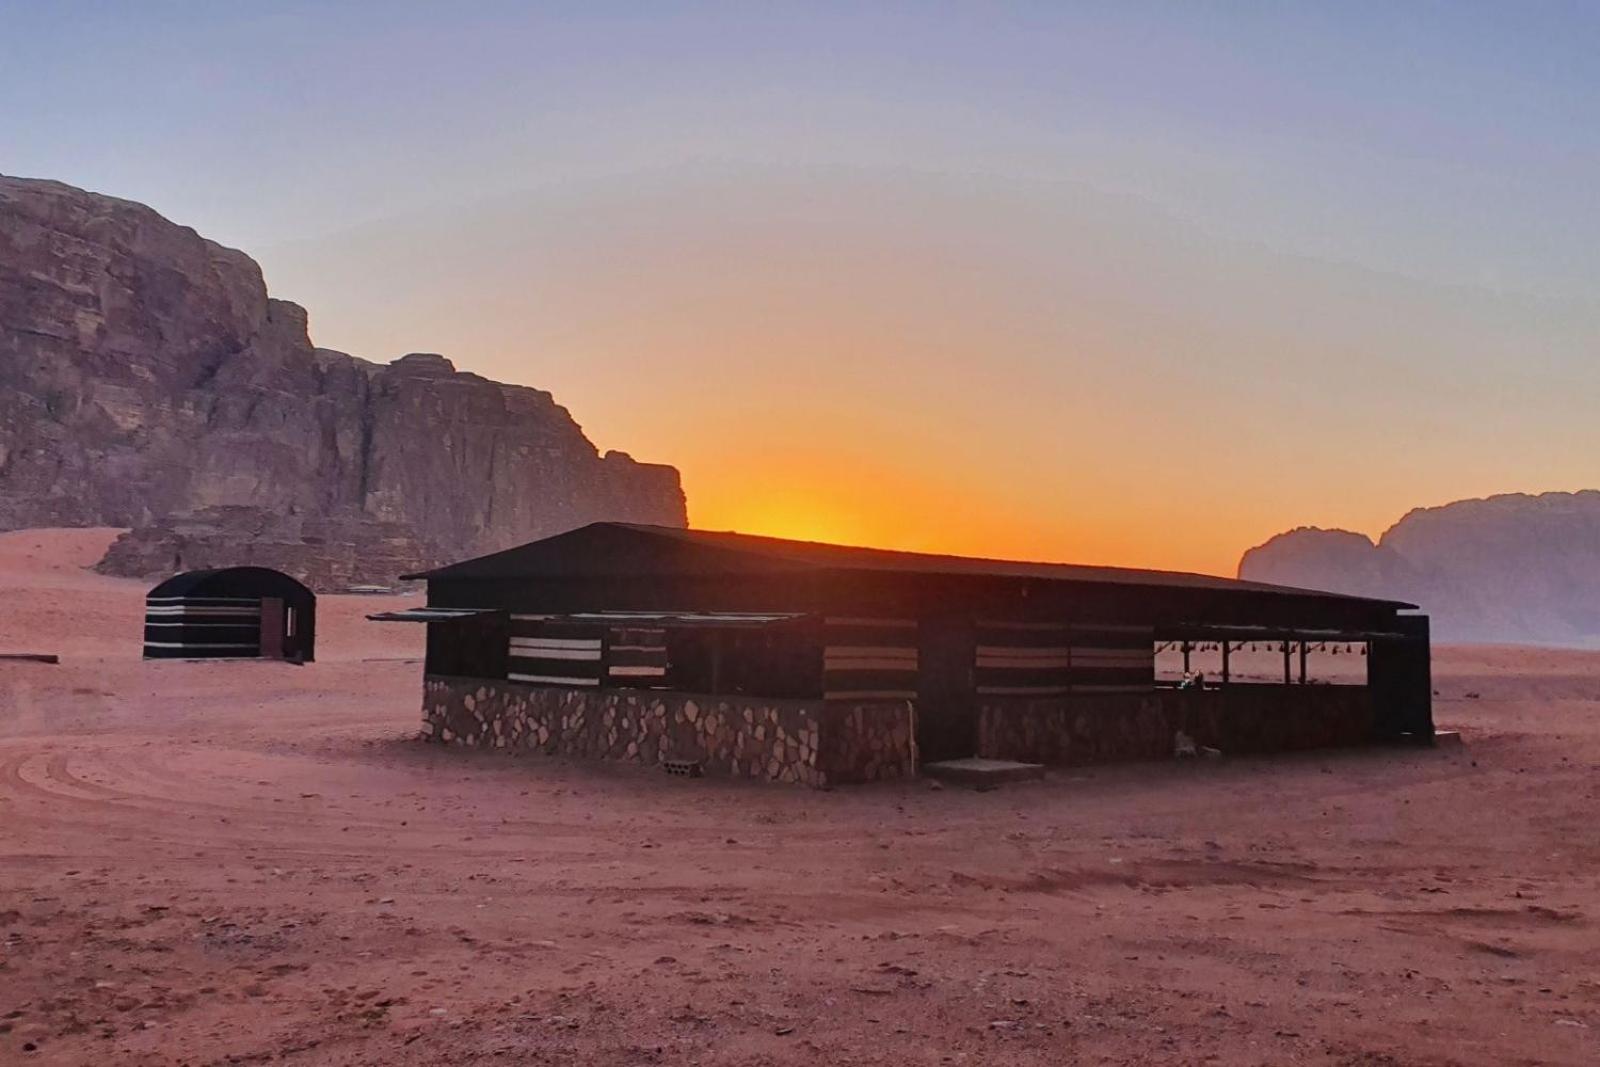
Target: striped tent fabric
637,657
1113,659
1030,659
179,627
552,653
1023,659
869,659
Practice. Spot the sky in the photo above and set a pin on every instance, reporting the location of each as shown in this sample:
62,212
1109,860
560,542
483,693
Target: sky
1132,283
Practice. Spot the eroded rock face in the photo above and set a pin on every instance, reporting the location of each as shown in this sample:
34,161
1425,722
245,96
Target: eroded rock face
1511,568
1336,560
147,380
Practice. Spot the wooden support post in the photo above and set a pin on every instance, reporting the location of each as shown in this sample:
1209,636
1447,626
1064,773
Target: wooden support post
1302,662
1286,675
1225,668
716,662
1186,657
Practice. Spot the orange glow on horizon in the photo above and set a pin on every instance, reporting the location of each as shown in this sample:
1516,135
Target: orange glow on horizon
856,505
792,517
982,368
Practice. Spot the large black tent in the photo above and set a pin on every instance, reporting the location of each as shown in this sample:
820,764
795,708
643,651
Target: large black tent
233,612
995,656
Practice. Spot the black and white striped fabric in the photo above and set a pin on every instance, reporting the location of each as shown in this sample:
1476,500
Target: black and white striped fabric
1113,659
553,653
1050,659
201,627
636,657
869,659
1023,659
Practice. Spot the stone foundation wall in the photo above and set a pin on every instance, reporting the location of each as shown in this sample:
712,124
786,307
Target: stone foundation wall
1112,727
800,741
868,742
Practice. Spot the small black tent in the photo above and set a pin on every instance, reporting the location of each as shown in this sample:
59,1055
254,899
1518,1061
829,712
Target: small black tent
234,612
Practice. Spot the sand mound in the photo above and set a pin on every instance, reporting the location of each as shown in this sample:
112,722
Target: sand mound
28,557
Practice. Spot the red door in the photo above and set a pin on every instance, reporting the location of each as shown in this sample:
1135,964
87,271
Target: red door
271,627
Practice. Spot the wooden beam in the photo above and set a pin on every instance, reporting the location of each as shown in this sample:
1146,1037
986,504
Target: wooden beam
716,662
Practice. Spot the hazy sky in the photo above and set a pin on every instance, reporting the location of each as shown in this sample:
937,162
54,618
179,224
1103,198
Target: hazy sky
1133,283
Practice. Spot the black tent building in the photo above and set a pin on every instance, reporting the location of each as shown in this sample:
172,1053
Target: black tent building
231,613
763,657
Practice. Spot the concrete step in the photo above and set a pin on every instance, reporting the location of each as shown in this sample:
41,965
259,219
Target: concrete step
982,772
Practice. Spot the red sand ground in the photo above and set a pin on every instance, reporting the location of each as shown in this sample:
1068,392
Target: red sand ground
250,863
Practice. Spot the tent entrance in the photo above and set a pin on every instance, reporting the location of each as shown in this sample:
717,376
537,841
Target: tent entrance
947,712
272,628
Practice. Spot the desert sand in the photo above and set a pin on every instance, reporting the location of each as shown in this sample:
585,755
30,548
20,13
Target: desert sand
252,863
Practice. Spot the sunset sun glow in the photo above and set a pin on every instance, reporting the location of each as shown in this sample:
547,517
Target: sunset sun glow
1065,284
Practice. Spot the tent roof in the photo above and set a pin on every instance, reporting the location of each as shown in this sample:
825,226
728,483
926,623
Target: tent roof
232,581
618,549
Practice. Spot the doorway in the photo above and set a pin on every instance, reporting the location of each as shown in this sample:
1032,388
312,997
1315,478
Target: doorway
272,627
947,711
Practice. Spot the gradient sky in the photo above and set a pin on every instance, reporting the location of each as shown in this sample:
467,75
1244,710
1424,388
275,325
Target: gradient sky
1128,283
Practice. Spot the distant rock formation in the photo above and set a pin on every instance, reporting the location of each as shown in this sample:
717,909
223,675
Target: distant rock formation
1512,568
147,380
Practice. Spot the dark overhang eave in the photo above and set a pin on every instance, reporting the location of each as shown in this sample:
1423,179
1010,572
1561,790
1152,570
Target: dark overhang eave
430,614
1199,631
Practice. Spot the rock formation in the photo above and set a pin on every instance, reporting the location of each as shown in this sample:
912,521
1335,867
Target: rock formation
1512,568
147,380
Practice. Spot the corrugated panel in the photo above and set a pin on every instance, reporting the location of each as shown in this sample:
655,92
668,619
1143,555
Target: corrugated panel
429,614
720,619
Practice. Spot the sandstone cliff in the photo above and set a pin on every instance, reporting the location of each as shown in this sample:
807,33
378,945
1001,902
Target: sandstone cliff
1512,568
147,380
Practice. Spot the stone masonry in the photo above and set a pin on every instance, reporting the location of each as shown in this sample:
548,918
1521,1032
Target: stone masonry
807,742
1112,727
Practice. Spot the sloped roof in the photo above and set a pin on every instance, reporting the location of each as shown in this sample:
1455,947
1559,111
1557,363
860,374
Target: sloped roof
566,555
